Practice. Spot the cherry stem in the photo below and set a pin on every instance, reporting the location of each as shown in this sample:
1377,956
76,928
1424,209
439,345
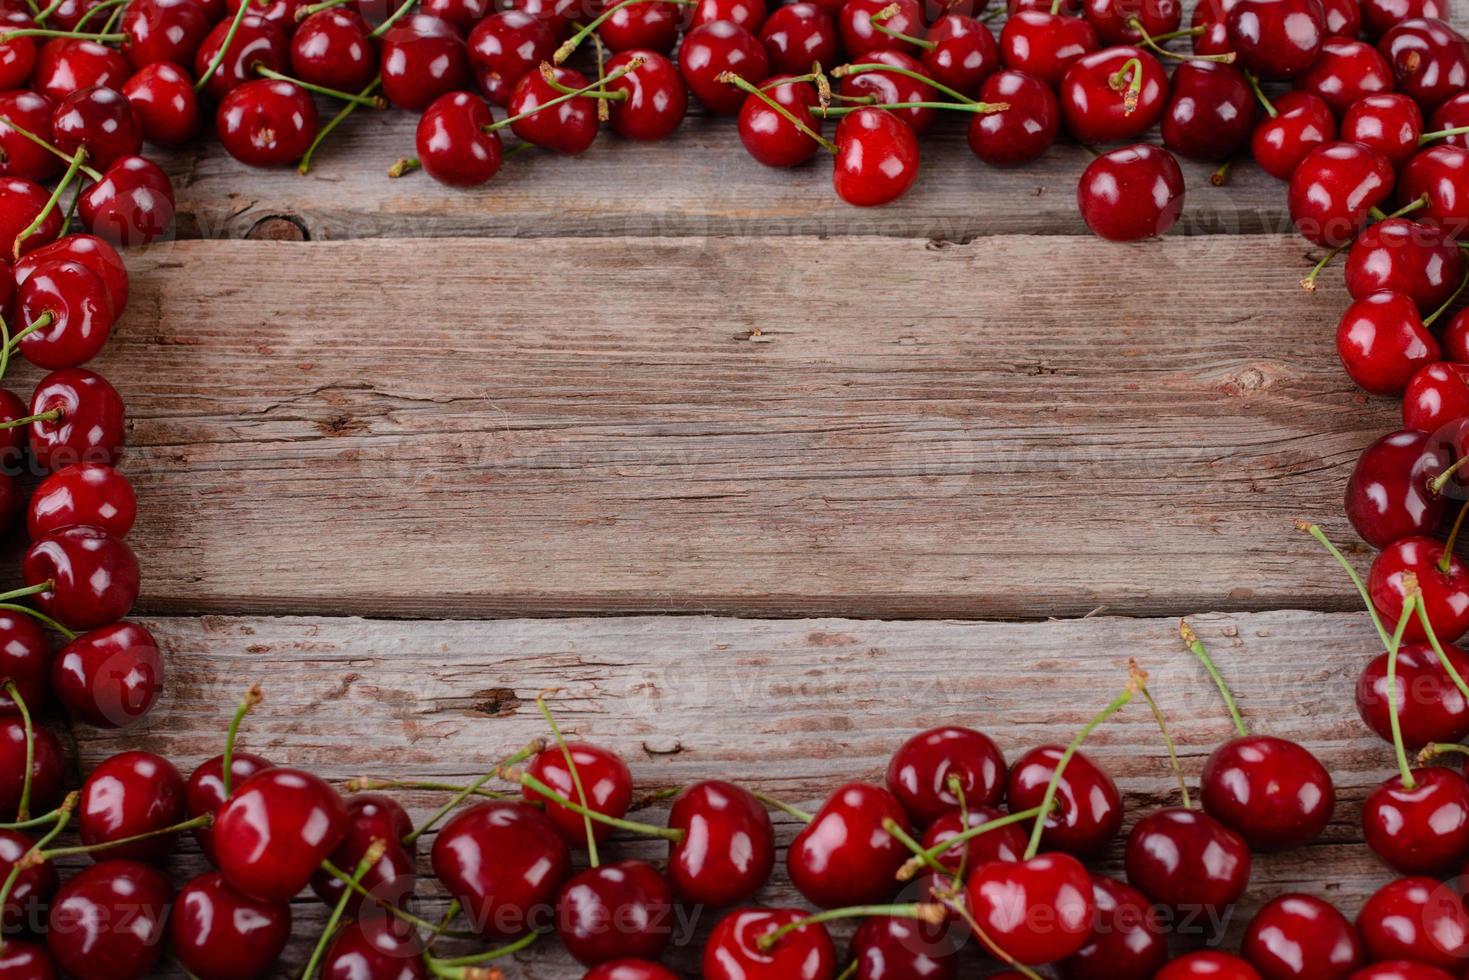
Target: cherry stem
1220,177
1264,100
530,749
51,415
47,146
305,165
842,71
384,904
851,971
573,42
588,814
957,788
5,335
1432,318
62,817
896,831
1442,134
371,102
1196,646
1309,282
1049,799
1151,43
316,8
932,854
363,784
105,5
1315,531
1142,687
591,91
45,212
1133,68
42,322
219,56
23,808
548,75
730,78
978,108
962,910
1436,484
581,793
227,760
604,111
889,11
50,9
1448,547
1435,749
396,16
40,857
9,36
371,857
454,967
782,806
1438,651
1411,582
1421,201
450,912
1184,32
36,589
931,912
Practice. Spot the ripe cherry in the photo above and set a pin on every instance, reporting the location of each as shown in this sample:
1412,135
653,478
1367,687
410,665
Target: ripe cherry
1419,830
1128,940
453,144
894,86
90,251
656,96
733,951
728,848
1208,19
375,948
1343,18
1004,844
100,119
769,136
844,856
21,960
217,932
372,817
504,48
1113,18
282,13
18,55
605,779
257,42
1089,806
334,48
1210,965
887,946
961,53
1044,45
1390,123
504,862
1382,342
920,772
1408,257
129,794
93,576
1302,123
47,767
568,127
423,58
1301,937
629,969
1276,39
1333,189
1272,792
1430,706
798,35
1441,173
21,202
1187,860
1021,133
25,660
1400,970
163,32
860,38
876,159
615,910
463,14
71,308
1417,919
1429,59
1436,396
1387,495
1131,193
749,14
648,26
25,905
1210,113
1452,114
1112,95
1346,71
91,427
86,934
22,158
713,49
65,65
205,791
1445,590
163,100
266,123
87,493
272,834
1037,911
1381,16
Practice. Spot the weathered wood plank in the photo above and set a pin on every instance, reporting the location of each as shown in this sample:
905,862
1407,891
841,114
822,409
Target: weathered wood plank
1018,427
793,707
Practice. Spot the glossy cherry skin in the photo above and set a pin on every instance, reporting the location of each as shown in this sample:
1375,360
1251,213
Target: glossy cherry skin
65,65
47,766
894,87
256,42
93,494
1301,937
1343,18
876,159
204,792
21,202
1452,114
629,969
100,119
1272,792
1400,970
844,856
1381,16
1128,940
505,863
1044,45
272,834
372,817
769,136
1004,844
650,26
732,951
1025,130
1187,860
963,55
605,779
1417,919
1390,123
452,142
749,14
266,123
1345,72
107,922
1422,830
132,204
1214,38
712,49
25,660
1276,39
25,906
21,960
505,47
463,14
90,251
1090,806
1036,911
1207,964
23,158
334,47
728,849
1455,338
1387,495
1445,593
1382,342
1333,189
1094,92
1429,59
656,96
128,794
18,55
1302,123
94,576
163,32
81,314
919,772
623,909
219,934
1407,257
798,35
1131,193
567,127
91,427
1210,113
1441,173
423,58
860,37
892,948
1113,18
376,948
1436,396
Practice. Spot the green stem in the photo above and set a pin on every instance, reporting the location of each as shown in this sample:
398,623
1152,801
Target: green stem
62,817
361,785
909,910
1433,317
51,415
1220,176
22,809
1152,44
46,145
203,820
1020,816
219,56
404,165
1308,283
590,815
331,93
978,108
387,906
1438,651
1392,688
50,9
1196,646
1435,749
589,91
1264,100
396,16
474,959
730,78
317,8
851,971
371,857
581,794
1439,134
1167,742
573,42
1448,548
841,71
1320,535
917,42
1436,484
902,836
50,205
9,36
1184,32
40,617
466,792
37,589
783,807
105,5
961,909
227,760
1132,68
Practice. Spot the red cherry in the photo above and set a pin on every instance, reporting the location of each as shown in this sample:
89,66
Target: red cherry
463,14
1436,396
1452,114
558,14
963,55
1089,807
1044,45
1214,38
1020,133
423,58
26,961
798,35
376,948
129,794
94,578
1187,860
88,493
65,65
1389,123
1005,844
648,26
334,48
1301,937
1272,792
18,55
90,251
1334,188
615,910
629,969
728,847
712,49
1400,970
1420,830
1343,18
452,142
1387,494
1441,173
733,951
1445,593
1430,706
100,119
1131,193
749,14
1381,16
889,86
46,768
257,42
1036,911
25,660
79,305
604,778
266,123
504,862
220,934
920,771
21,201
504,48
1210,113
861,38
205,791
163,32
281,13
25,906
1113,18
1214,966
272,834
21,157
1276,38
90,428
132,204
372,817
1346,71
656,96
876,160
1407,257
84,933
1429,59
768,135
1128,941
1455,338
889,947
1302,123
1382,342
1418,919
1105,100
568,127
844,856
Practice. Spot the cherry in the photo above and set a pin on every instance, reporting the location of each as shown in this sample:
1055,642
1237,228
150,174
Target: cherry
26,961
877,158
1302,123
1445,591
568,127
282,13
1455,338
504,862
217,932
615,910
728,848
733,950
273,833
1381,16
1004,844
90,251
749,14
1333,189
647,26
1387,495
1419,830
87,493
93,576
1272,792
1113,18
1021,133
1382,342
1442,173
100,119
1301,937
961,53
463,14
372,817
453,144
25,905
1276,39
205,791
72,307
21,201
558,14
1089,807
798,35
109,677
1044,45
257,42
47,765
1345,72
376,948
861,38
107,922
423,58
1429,59
1418,919
163,32
65,65
713,49
132,204
1035,911
920,772
1131,193
266,123
504,48
604,778
886,947
129,794
21,157
1389,123
1437,395
1343,18
1128,941
844,856
895,87
12,440
1408,257
629,969
1210,113
334,48
1187,860
1213,39
1214,966
25,660
1113,94
18,55
1400,970
656,96
768,135
1452,114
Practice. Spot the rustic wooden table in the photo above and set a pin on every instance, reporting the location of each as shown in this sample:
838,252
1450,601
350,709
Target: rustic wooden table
760,483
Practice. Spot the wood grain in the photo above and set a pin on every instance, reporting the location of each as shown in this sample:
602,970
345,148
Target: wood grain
793,707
